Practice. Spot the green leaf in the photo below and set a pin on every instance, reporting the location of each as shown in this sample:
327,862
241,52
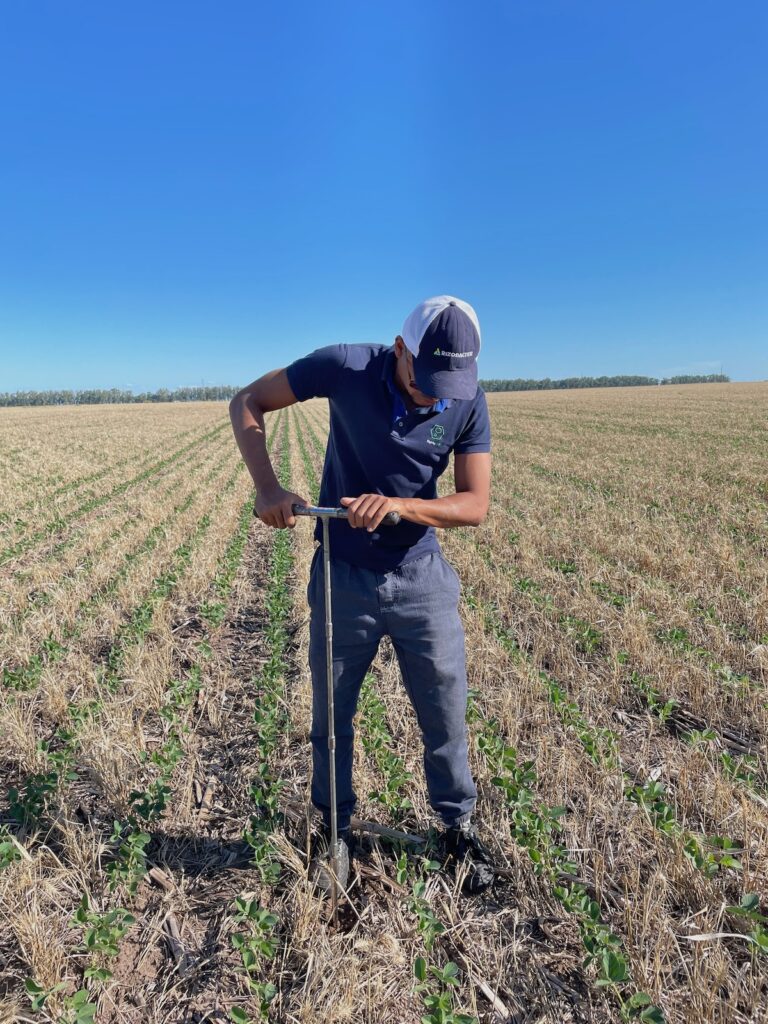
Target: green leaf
420,968
638,999
450,971
614,966
653,1014
99,973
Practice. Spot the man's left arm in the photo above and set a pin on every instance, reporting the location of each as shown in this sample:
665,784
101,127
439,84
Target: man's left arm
468,506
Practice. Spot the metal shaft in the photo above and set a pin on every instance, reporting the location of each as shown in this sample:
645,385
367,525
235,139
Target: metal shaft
331,716
325,514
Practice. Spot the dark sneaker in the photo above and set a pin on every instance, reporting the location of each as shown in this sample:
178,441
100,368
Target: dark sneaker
461,846
320,858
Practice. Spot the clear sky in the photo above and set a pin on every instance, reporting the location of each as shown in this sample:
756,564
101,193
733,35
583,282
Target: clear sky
202,192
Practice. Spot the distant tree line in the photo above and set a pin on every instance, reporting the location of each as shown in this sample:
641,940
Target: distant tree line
222,392
623,381
114,396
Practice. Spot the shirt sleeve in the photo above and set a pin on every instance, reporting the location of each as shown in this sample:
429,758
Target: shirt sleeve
317,375
476,435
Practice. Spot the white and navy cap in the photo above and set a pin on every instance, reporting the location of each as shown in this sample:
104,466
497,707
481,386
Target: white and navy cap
443,334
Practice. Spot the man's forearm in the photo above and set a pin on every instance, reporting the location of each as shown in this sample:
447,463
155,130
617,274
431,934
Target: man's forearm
461,509
248,425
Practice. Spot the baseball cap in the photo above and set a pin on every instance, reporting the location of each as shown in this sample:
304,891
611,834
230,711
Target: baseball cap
443,334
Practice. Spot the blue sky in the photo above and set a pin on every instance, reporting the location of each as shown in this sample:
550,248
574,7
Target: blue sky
201,192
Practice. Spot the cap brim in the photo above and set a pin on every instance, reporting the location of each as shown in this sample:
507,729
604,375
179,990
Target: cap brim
449,383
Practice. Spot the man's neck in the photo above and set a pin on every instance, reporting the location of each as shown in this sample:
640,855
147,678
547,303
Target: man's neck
408,402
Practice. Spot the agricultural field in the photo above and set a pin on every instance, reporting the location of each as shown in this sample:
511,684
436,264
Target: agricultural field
155,708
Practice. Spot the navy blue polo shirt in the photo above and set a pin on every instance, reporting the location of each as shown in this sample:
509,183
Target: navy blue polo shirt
375,446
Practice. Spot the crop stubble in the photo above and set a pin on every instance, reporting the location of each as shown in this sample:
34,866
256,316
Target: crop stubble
626,535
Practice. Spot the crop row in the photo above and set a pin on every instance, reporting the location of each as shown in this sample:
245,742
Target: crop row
57,524
606,541
302,424
708,854
536,828
258,940
43,599
29,802
26,676
588,640
687,516
52,555
140,458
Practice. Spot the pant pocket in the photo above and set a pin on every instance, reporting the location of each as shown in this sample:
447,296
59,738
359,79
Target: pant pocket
452,572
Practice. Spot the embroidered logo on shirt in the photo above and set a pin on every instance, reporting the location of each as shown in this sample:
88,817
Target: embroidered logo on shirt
437,432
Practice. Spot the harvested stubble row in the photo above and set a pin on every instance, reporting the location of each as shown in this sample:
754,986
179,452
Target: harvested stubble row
622,636
84,440
55,525
725,612
630,512
611,748
52,591
75,525
635,671
64,619
549,528
79,668
199,590
731,496
74,489
616,849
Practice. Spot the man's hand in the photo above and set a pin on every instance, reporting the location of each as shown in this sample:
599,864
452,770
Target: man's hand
368,510
273,507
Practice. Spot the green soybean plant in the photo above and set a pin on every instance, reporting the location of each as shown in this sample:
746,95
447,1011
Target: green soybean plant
255,943
102,933
749,907
77,1008
439,1002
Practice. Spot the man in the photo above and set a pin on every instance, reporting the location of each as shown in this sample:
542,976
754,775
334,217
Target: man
396,414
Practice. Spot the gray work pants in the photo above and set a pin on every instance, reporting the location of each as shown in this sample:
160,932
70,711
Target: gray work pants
416,605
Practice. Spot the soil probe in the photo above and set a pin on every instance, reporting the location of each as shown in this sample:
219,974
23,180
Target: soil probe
391,519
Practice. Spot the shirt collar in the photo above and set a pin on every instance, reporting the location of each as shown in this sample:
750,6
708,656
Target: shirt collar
388,375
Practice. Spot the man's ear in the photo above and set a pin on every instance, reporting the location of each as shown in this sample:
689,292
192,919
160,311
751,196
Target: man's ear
399,346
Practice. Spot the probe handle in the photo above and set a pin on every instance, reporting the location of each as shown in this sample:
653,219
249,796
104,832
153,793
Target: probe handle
390,519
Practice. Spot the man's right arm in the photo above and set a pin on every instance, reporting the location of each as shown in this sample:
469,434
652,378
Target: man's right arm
246,410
